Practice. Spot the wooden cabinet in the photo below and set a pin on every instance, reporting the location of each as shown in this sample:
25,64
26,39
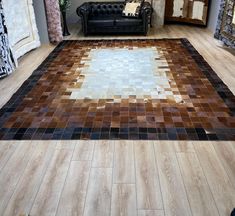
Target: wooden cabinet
21,26
188,11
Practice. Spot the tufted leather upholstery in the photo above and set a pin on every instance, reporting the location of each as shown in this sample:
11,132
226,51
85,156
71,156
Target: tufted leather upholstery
106,17
106,9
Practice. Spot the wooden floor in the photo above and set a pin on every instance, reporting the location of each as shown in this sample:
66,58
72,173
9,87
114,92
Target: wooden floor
118,178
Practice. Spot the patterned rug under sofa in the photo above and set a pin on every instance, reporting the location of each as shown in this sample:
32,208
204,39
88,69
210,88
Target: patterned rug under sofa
121,89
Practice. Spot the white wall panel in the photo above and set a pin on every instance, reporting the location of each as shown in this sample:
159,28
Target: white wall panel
21,25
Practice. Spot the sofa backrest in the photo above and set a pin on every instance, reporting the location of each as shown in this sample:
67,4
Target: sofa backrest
105,8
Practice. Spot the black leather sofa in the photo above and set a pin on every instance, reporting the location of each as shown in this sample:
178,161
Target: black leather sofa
106,18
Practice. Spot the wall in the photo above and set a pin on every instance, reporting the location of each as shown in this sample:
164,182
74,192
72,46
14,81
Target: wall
213,15
40,15
158,15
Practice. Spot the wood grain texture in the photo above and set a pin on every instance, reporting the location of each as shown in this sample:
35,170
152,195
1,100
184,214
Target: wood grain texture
173,191
184,146
218,180
124,169
66,144
48,196
147,180
198,191
6,150
73,197
150,213
12,172
26,190
83,150
98,200
226,152
123,200
103,154
174,146
27,65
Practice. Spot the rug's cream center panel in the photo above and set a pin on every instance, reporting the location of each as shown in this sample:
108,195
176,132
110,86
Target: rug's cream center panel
120,73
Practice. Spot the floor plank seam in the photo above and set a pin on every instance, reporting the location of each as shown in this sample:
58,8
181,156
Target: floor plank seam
22,175
157,166
207,182
184,183
9,157
222,163
40,184
89,179
136,192
69,165
113,167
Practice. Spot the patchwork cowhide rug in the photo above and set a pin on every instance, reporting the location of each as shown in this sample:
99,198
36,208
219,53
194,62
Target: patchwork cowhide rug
121,89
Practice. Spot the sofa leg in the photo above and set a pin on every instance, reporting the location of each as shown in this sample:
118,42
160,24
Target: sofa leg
233,212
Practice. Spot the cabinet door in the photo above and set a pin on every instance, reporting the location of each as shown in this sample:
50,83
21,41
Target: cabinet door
21,26
189,11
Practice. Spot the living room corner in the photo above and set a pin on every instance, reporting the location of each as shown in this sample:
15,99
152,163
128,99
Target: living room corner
74,22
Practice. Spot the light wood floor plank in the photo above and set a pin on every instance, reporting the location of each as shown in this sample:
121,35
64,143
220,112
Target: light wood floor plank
147,180
26,190
124,170
173,191
6,150
198,191
226,154
233,143
218,180
184,146
48,196
83,150
174,146
98,200
103,154
72,200
27,64
66,144
150,213
12,172
123,200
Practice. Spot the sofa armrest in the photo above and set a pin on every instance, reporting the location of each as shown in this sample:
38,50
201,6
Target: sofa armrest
146,9
83,10
146,12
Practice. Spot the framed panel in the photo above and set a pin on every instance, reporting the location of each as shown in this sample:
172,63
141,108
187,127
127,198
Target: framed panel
21,25
225,30
188,11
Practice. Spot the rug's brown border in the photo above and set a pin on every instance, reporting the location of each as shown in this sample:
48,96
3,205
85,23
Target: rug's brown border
115,133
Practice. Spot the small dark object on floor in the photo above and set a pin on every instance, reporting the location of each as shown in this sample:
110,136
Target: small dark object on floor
233,212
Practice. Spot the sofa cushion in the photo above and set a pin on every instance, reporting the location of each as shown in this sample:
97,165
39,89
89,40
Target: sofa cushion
132,8
128,21
101,21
